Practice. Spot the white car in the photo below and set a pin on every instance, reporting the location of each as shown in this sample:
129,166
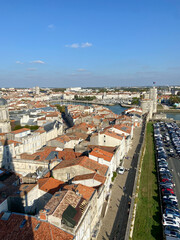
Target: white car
120,170
164,169
170,216
171,197
170,222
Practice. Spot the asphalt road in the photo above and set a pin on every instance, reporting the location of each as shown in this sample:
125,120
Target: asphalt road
174,163
119,227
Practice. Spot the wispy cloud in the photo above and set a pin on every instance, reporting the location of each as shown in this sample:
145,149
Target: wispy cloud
32,69
18,62
38,61
81,70
51,26
74,45
85,45
79,45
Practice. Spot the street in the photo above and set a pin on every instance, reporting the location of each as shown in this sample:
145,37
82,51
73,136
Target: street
115,222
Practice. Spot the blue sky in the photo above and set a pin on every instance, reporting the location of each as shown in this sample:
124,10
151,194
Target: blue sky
63,43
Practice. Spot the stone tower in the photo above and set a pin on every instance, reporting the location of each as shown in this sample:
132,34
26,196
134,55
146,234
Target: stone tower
149,105
5,126
153,97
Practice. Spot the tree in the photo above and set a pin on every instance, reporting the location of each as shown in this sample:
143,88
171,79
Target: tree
60,108
174,99
135,101
32,128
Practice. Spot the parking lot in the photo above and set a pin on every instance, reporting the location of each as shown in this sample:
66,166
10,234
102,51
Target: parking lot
167,143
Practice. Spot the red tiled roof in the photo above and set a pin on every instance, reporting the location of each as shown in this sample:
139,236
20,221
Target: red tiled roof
86,163
113,134
94,176
50,185
10,229
60,201
105,148
20,130
85,191
123,127
99,153
8,142
63,138
40,155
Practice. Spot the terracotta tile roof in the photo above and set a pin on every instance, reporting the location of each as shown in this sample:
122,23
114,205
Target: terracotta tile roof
60,201
84,177
85,191
2,134
94,176
86,163
50,185
8,142
40,155
10,229
77,135
99,153
63,138
123,127
105,148
20,130
93,165
113,134
68,154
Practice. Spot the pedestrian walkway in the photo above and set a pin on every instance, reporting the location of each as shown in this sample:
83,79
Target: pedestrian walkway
109,226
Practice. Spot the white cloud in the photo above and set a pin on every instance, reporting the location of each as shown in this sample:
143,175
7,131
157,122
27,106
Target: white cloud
18,62
81,70
74,45
51,26
38,61
32,69
84,45
79,45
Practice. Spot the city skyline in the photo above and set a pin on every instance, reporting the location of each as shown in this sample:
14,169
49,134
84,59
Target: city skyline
89,44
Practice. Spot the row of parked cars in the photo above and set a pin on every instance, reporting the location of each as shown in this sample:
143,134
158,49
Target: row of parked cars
167,141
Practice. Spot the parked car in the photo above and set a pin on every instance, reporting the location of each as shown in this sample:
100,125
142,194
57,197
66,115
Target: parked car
171,228
167,191
173,235
165,172
170,206
169,201
171,197
166,185
171,216
171,211
169,222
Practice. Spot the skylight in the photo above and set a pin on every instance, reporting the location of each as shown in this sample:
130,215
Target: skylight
23,223
37,226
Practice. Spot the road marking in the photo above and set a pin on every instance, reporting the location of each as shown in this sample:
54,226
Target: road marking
178,174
